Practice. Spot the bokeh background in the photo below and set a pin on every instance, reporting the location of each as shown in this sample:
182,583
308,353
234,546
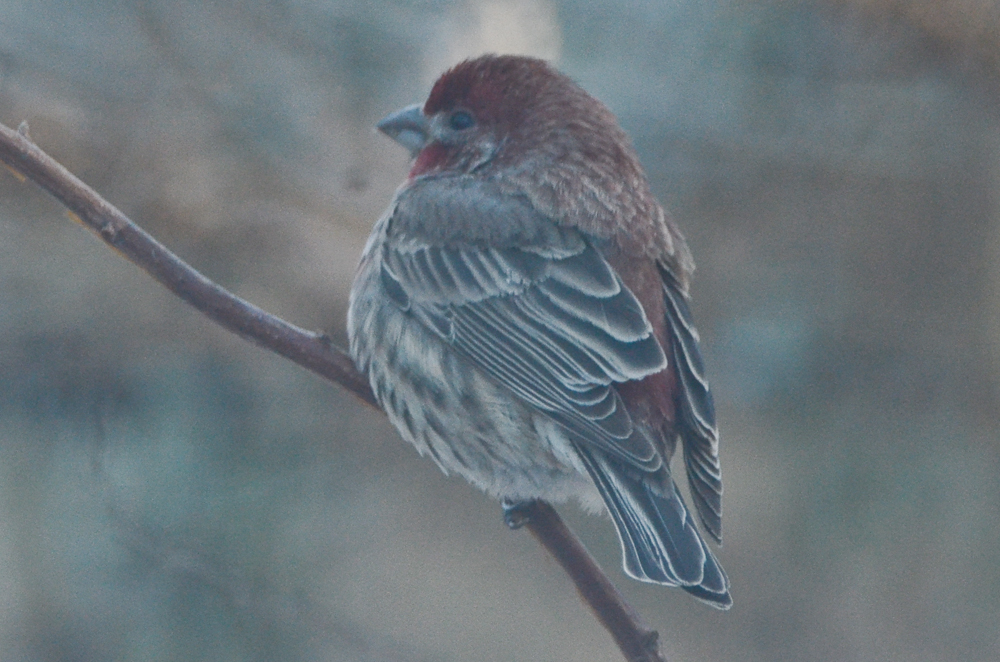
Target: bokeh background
170,492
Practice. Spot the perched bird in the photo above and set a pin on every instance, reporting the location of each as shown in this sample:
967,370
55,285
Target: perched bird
521,313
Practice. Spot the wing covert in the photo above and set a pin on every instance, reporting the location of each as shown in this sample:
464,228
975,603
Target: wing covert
544,314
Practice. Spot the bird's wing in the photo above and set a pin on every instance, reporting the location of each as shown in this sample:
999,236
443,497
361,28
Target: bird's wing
696,410
533,304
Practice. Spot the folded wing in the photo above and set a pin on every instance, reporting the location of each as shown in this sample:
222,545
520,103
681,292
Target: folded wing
540,310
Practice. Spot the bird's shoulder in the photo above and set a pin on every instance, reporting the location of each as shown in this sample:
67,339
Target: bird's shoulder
465,210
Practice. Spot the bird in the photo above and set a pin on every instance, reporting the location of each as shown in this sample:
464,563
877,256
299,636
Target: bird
521,311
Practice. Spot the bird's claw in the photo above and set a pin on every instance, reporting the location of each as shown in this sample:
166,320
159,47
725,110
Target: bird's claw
516,513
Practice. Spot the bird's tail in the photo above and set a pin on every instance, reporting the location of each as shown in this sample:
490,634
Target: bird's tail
660,542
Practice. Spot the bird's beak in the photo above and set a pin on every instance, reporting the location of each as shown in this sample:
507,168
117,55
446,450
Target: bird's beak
409,127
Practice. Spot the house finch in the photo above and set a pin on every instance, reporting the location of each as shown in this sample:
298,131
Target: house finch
521,313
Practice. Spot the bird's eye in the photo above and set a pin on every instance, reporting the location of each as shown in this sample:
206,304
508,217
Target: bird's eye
461,120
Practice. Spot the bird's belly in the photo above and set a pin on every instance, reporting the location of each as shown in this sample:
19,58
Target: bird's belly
448,409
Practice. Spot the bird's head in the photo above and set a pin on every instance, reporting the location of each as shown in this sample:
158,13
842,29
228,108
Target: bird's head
506,111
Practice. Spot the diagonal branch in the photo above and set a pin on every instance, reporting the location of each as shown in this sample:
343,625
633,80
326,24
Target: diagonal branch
312,351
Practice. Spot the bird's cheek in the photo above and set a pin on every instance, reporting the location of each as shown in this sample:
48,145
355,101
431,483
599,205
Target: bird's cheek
432,157
486,150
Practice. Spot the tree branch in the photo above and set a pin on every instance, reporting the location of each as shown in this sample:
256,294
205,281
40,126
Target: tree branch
313,351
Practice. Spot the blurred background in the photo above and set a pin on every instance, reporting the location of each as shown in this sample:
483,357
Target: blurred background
170,492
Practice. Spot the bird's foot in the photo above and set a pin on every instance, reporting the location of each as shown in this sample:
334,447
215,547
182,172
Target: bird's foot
517,513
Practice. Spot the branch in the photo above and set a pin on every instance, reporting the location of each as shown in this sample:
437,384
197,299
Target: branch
637,642
313,351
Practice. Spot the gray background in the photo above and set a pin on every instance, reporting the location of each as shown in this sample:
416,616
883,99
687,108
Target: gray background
170,492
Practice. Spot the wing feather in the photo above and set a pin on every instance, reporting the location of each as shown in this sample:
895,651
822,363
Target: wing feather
696,420
544,313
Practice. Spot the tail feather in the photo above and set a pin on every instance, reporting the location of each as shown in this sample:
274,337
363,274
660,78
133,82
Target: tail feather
660,542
